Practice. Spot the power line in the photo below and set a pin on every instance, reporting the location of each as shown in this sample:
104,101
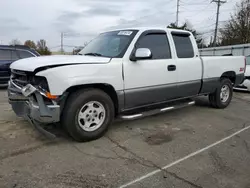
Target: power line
187,3
191,4
203,27
200,11
219,3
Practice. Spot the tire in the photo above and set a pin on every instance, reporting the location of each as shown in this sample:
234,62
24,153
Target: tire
215,98
78,107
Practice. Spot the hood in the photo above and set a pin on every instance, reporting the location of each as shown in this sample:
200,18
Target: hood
31,64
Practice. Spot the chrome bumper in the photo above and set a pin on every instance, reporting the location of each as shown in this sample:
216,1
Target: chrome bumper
32,106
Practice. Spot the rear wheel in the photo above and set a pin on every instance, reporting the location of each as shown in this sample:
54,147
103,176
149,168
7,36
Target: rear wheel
87,114
222,97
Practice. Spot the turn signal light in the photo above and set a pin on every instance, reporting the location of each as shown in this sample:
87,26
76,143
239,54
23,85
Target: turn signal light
51,96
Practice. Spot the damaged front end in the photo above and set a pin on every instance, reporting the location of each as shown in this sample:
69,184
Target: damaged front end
28,96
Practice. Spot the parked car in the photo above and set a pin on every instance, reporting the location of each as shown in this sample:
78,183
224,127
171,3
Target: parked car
123,73
245,86
9,54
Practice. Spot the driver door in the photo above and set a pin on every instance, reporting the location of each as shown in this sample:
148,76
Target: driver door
150,80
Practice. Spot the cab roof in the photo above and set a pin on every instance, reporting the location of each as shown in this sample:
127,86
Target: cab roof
142,29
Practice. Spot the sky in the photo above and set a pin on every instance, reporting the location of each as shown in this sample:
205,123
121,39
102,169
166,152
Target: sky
82,20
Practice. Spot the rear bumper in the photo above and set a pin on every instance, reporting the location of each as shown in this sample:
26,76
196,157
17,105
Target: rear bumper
32,107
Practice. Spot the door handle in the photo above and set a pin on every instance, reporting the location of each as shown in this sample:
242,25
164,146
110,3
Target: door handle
171,67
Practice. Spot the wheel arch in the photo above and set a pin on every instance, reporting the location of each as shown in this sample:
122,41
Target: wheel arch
231,75
107,88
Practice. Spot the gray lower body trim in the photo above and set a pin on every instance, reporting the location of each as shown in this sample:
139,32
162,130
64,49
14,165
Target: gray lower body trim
121,100
239,79
209,85
149,95
155,94
190,88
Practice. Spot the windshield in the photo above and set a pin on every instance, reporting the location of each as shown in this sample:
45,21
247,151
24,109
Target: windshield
110,44
248,60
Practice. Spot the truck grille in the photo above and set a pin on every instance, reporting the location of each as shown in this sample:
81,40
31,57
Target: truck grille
21,78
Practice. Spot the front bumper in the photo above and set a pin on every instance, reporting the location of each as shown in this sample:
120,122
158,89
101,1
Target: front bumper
32,106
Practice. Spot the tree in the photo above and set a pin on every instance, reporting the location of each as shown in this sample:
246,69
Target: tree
42,48
15,42
30,44
198,36
237,29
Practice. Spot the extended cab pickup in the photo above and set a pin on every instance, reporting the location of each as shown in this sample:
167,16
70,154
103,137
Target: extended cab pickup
123,73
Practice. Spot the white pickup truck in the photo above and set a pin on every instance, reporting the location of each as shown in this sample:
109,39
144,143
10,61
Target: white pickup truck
125,73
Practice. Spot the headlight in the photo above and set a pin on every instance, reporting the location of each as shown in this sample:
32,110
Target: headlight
40,82
42,86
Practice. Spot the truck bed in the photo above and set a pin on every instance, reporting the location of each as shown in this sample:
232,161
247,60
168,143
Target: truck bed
232,67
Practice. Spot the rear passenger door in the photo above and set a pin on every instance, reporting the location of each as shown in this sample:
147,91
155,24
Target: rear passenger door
188,64
149,81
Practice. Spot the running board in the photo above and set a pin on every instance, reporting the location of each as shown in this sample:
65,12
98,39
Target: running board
156,111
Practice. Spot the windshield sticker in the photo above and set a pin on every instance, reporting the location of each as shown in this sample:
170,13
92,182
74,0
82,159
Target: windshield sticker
127,33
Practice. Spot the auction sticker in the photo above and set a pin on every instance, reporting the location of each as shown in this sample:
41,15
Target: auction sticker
127,33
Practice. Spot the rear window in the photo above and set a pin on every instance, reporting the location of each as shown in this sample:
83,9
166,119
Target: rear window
183,45
5,55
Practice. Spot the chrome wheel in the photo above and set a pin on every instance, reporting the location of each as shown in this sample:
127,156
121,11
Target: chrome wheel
225,93
91,116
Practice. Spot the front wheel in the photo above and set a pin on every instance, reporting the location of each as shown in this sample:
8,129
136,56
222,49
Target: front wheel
222,97
87,114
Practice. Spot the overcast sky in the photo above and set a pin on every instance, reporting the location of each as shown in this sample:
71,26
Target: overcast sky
84,19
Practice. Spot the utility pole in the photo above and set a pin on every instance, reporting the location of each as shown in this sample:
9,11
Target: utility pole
177,13
62,35
219,3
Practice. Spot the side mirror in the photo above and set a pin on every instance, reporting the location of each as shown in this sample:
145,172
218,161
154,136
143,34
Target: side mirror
141,53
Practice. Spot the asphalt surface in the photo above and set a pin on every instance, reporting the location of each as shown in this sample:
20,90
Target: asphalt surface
132,150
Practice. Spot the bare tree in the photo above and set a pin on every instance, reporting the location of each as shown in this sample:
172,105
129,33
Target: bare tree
42,47
237,29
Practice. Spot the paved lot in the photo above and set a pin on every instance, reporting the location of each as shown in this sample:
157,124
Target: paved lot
132,150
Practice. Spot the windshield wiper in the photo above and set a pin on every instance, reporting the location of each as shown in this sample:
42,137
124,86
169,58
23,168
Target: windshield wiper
93,54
